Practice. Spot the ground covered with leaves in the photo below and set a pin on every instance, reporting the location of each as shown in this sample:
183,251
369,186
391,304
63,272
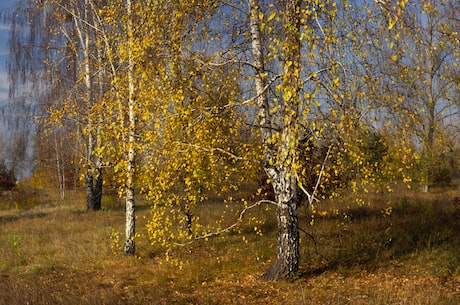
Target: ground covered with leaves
55,253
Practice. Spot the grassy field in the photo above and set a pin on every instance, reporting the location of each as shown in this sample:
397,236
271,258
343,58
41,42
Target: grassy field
54,253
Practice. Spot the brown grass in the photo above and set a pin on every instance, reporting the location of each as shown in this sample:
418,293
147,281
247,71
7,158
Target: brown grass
55,253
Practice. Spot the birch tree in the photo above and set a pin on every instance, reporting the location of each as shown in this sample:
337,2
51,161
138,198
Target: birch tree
63,43
86,44
132,125
187,80
186,126
279,162
34,85
297,84
314,55
420,68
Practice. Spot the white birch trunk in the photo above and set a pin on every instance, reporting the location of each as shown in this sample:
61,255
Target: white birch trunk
279,171
93,175
130,204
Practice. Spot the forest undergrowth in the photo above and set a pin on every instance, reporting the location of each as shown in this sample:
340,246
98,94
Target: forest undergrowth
401,249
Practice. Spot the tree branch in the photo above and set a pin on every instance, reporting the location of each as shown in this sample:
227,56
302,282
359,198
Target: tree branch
312,197
227,229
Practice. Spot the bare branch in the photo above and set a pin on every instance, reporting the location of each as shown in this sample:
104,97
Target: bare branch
314,74
320,174
227,229
312,197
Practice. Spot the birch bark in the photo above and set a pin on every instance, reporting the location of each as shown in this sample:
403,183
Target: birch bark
279,158
131,155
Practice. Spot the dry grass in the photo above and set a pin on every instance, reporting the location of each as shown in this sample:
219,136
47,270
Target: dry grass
57,254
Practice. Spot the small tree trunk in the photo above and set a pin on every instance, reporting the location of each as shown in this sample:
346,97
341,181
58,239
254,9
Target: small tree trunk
98,190
89,190
59,164
93,175
187,223
130,248
93,187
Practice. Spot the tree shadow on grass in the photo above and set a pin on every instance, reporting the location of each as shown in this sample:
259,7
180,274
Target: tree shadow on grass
369,239
16,217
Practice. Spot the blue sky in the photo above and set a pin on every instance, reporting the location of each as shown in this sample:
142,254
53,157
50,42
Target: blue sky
5,6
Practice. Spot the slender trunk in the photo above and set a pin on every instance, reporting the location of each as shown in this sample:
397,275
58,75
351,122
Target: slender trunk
187,223
59,164
93,186
89,181
431,109
93,175
98,183
130,204
260,79
429,140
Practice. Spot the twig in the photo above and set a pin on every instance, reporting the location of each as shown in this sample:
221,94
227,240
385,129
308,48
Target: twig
314,243
312,197
320,174
227,229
